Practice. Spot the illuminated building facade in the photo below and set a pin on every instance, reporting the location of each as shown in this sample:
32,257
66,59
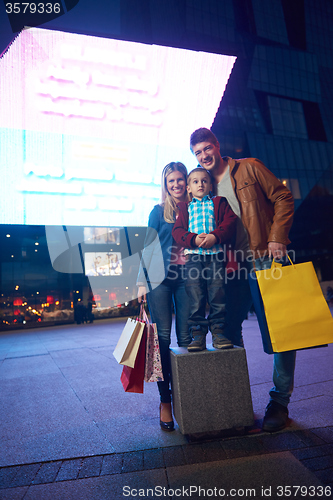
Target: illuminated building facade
277,106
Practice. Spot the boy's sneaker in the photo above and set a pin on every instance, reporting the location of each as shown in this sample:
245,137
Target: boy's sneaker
221,342
198,343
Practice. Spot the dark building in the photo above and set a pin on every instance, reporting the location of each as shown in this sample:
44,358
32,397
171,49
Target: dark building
278,107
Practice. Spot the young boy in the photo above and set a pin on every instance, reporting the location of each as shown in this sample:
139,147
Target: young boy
203,226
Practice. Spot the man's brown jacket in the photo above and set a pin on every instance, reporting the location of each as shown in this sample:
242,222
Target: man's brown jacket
267,206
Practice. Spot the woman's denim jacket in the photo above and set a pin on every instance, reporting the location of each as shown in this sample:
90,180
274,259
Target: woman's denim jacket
157,250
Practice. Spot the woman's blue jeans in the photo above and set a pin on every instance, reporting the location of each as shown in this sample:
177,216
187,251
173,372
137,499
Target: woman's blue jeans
238,300
160,300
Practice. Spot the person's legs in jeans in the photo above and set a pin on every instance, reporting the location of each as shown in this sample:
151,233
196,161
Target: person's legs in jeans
276,414
283,377
214,275
160,299
238,302
182,309
284,363
159,302
196,291
215,270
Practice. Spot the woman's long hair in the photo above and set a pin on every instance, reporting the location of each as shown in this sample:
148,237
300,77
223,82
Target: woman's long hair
170,208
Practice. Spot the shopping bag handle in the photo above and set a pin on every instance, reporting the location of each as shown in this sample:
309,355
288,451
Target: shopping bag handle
277,264
143,315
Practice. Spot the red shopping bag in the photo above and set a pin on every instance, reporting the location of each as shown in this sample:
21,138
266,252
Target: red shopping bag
132,378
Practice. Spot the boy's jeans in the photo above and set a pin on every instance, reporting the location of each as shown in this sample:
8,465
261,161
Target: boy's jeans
205,283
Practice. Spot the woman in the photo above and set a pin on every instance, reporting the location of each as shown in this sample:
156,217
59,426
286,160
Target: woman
163,267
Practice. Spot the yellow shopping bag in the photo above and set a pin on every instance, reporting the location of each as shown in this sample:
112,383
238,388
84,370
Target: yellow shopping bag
296,311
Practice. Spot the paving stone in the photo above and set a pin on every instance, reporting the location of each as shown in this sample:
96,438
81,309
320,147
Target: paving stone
132,461
207,436
326,477
112,464
314,451
309,438
47,473
324,433
91,466
311,448
69,470
253,446
25,475
213,451
174,456
14,493
7,474
319,463
233,448
193,453
153,459
282,441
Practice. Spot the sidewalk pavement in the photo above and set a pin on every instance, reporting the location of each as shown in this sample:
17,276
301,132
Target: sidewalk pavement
69,431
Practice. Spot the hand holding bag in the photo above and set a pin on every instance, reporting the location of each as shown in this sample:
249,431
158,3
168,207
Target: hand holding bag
128,344
295,311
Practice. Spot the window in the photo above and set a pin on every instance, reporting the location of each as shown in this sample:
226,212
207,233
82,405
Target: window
287,117
293,186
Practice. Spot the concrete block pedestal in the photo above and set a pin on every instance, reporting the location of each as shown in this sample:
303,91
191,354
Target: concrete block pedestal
210,389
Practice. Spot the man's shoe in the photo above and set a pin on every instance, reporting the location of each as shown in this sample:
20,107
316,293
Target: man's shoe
221,342
275,418
198,343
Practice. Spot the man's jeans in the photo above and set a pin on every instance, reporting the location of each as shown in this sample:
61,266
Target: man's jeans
205,283
238,304
160,300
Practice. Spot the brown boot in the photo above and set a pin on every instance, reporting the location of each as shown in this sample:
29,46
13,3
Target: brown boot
198,343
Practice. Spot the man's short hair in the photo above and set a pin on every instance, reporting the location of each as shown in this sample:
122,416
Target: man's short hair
202,135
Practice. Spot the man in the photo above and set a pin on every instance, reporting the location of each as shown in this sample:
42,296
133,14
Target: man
265,210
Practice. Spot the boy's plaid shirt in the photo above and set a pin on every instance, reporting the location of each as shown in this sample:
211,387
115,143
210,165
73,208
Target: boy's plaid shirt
201,219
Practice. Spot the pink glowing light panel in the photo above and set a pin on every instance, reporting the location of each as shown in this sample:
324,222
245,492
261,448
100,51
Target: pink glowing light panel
87,125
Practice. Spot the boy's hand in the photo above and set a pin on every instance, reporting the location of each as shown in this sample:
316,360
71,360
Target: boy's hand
208,241
199,239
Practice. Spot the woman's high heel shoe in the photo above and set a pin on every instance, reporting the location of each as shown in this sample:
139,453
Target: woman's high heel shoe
166,426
